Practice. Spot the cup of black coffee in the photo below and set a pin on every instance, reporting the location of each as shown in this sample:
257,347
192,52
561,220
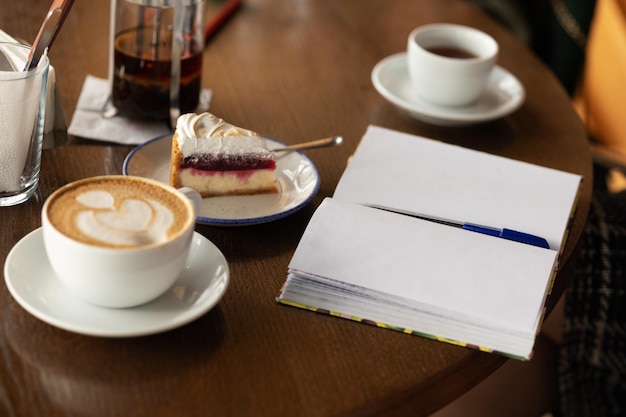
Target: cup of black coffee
450,64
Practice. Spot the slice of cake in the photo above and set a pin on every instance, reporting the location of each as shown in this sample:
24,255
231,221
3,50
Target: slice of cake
216,158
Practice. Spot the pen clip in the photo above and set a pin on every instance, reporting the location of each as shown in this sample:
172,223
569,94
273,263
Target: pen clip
524,238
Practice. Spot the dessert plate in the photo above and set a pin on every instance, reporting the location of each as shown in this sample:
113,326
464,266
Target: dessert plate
297,177
33,284
503,95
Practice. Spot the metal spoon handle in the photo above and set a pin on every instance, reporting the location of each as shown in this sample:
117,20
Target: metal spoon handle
48,31
319,143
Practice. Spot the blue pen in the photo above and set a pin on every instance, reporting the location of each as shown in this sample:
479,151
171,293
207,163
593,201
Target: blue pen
508,234
504,233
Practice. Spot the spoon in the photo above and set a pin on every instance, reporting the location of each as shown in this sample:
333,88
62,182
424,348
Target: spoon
319,143
48,31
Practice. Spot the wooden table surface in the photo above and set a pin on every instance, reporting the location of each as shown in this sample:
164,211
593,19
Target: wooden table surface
293,70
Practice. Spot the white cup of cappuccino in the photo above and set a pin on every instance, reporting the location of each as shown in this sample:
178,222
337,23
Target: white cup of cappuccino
118,241
449,64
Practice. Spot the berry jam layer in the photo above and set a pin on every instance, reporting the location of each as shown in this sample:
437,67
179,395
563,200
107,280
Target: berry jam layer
223,162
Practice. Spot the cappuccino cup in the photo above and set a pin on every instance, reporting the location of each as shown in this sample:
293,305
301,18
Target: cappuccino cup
449,64
118,241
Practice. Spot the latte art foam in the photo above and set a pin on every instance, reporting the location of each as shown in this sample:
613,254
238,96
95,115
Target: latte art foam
118,213
133,223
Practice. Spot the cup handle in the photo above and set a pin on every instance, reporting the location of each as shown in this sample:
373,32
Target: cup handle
193,196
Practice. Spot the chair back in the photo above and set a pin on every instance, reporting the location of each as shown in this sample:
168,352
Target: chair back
601,100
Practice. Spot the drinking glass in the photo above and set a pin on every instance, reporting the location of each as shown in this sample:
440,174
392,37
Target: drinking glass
22,114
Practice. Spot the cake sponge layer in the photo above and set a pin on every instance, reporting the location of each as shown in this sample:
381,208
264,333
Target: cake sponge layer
216,183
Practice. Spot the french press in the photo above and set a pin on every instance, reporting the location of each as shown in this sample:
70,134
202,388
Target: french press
155,59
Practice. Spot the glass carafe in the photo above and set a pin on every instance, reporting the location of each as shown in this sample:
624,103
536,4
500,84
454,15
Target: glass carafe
155,61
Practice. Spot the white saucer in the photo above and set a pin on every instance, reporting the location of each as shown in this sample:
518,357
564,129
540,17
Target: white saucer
33,284
297,177
504,94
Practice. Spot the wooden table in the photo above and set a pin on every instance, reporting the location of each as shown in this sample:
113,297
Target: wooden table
292,70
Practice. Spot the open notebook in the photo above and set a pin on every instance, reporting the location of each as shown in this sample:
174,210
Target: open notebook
392,269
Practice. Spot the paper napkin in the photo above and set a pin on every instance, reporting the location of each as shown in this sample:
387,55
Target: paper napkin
18,113
87,121
54,124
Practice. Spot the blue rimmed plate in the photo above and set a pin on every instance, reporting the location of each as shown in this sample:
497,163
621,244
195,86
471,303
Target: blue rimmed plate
297,177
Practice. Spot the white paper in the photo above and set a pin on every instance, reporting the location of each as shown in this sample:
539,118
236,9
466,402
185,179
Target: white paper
447,271
432,178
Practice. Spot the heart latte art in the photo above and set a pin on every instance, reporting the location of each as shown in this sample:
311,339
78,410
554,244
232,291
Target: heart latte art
132,222
118,213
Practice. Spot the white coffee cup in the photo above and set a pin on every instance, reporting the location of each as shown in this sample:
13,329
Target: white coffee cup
118,241
449,64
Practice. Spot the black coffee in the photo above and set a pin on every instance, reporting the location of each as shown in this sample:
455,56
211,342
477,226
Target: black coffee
141,82
451,52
